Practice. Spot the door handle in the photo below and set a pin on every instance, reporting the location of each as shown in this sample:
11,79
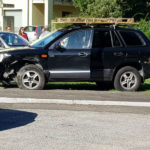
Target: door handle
82,54
118,53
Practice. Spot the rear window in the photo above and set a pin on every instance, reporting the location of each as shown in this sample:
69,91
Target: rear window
29,29
132,38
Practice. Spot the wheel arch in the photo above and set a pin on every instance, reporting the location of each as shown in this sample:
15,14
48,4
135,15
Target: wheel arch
18,65
135,65
13,67
31,77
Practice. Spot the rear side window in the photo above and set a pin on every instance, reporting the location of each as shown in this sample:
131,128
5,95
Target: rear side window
29,29
132,38
101,39
116,41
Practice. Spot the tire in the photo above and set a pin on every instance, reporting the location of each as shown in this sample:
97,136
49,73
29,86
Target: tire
30,77
127,79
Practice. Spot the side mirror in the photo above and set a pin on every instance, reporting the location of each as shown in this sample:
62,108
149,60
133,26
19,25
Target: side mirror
58,47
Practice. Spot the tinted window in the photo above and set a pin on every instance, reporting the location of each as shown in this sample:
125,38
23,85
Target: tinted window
77,40
101,39
116,42
131,38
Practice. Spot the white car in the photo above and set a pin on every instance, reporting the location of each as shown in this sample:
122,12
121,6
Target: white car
33,32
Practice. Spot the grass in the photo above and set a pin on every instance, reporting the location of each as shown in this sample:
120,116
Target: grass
72,85
145,87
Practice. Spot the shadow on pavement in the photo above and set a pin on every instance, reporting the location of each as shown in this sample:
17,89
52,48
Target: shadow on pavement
14,118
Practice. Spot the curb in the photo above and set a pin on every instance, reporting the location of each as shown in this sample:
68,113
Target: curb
5,100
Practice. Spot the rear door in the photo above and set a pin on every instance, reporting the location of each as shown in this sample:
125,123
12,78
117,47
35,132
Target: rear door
134,43
70,57
107,53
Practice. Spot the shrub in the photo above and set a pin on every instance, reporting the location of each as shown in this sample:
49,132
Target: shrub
144,26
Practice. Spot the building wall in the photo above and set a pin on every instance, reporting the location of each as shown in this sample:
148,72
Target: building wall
19,5
17,19
58,9
38,14
34,12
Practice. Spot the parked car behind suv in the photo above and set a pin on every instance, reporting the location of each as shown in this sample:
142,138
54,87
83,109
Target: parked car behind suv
8,40
101,54
33,32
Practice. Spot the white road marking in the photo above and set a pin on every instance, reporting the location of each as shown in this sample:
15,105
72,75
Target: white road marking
73,102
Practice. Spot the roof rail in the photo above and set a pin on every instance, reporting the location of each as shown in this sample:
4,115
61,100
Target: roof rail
94,21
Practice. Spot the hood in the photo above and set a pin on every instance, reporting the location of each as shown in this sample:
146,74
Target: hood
16,49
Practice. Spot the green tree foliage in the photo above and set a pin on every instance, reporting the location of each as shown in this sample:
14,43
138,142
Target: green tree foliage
144,26
114,8
135,8
98,8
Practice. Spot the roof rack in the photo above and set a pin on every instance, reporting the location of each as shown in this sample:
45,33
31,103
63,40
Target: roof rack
94,21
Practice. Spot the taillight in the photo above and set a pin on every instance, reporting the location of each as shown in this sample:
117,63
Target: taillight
36,30
149,59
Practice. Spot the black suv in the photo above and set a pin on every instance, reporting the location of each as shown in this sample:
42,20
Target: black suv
101,54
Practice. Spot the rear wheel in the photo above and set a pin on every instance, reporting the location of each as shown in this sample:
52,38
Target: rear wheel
127,79
30,77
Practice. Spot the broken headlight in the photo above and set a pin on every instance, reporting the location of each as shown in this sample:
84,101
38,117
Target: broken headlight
3,56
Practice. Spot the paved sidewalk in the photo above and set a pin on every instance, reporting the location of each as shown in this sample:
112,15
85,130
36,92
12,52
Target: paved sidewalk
76,95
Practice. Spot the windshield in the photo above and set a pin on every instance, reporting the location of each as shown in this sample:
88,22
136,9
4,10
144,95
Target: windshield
47,39
13,39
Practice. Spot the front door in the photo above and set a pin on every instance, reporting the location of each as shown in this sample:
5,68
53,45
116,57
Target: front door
70,58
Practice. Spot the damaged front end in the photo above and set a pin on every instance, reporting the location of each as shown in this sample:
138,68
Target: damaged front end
11,65
8,73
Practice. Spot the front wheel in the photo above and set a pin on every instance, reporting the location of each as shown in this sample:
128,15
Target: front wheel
127,79
30,77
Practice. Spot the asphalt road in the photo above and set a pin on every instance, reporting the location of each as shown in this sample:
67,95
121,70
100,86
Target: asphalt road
74,127
73,130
